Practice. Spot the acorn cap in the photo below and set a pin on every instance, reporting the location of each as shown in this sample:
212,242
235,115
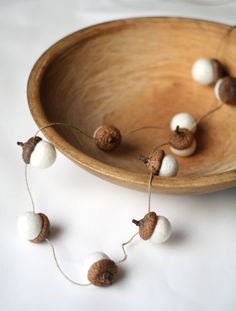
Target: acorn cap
154,161
181,138
44,231
107,137
227,90
102,272
146,225
218,70
28,147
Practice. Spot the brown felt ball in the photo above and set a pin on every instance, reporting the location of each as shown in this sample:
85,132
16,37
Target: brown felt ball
154,161
28,147
146,225
102,272
225,90
44,231
107,137
181,138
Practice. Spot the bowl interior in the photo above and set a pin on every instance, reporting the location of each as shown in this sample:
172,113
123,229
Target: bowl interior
136,73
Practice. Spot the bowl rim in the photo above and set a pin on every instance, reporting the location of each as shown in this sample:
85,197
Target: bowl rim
174,185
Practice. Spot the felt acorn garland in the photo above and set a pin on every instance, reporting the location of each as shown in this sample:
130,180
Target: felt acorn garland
100,269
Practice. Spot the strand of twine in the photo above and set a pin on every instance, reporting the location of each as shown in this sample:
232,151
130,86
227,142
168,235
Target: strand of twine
150,191
123,248
60,269
145,128
28,188
63,124
207,114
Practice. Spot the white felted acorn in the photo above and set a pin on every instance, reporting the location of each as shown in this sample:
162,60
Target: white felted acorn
155,228
161,164
33,227
183,120
38,153
207,71
100,269
182,142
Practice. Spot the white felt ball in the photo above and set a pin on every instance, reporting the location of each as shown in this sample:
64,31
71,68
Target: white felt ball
44,155
92,258
29,225
162,231
217,88
185,152
203,71
184,120
169,166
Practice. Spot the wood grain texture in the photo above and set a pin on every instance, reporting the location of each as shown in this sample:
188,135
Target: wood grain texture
133,73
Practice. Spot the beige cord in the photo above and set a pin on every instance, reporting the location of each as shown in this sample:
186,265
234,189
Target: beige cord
62,124
28,188
207,114
150,191
123,247
60,269
144,128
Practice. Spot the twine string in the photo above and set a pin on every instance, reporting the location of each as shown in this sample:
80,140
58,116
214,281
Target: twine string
28,188
150,191
60,269
63,124
145,128
207,114
123,248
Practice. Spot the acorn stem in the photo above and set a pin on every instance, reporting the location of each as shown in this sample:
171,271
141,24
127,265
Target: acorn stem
143,158
19,143
177,131
136,222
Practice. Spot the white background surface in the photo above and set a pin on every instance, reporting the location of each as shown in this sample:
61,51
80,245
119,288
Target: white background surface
195,270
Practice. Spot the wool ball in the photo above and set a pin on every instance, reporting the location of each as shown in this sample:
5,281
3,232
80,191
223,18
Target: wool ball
43,155
169,166
207,71
184,120
29,225
162,231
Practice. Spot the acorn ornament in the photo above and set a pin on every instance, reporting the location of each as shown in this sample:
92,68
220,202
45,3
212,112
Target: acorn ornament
107,137
38,152
182,142
100,269
225,90
158,163
155,228
33,226
207,71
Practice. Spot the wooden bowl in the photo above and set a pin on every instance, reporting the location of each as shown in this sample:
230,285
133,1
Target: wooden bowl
133,73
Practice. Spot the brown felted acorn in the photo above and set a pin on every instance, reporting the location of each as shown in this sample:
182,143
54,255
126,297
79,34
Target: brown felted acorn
34,227
146,225
107,137
155,228
44,231
182,142
28,147
181,138
154,161
37,152
101,270
225,90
